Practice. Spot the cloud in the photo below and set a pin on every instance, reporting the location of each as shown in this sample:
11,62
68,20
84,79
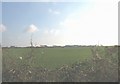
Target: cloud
51,36
32,28
54,11
2,28
88,26
52,32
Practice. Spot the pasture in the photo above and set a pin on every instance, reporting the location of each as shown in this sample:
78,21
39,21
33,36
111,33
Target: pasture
46,57
68,64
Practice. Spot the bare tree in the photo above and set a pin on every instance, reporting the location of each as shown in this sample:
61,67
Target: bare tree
31,41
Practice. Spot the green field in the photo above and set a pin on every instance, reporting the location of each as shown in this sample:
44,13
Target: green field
46,57
58,64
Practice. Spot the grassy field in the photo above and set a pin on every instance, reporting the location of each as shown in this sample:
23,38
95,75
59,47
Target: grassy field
46,57
68,64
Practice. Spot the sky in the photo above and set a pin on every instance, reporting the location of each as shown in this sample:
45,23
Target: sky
59,23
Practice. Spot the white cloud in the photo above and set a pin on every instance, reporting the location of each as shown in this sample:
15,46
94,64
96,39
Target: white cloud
54,11
50,36
87,26
2,28
52,32
98,23
32,28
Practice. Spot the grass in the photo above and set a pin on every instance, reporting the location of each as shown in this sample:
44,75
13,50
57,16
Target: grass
47,57
69,64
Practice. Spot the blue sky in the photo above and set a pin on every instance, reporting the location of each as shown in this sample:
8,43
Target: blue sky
0,21
59,23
